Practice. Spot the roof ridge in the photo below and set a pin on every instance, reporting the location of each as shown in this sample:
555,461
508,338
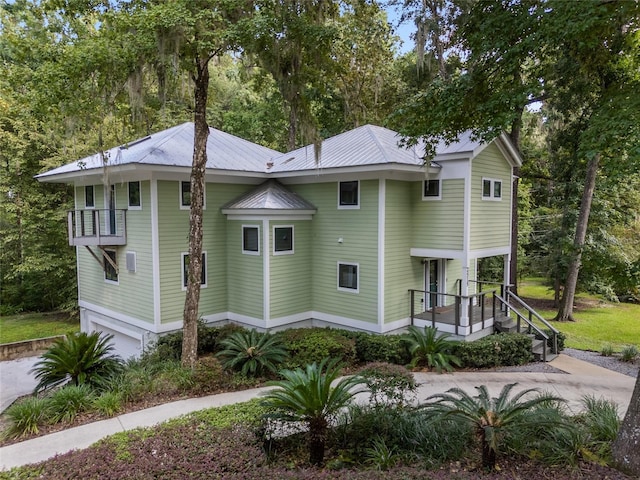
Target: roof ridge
369,128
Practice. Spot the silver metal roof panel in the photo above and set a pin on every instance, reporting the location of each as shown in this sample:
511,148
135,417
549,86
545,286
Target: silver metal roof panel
271,195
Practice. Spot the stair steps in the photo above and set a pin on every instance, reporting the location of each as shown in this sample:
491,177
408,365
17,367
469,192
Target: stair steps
505,324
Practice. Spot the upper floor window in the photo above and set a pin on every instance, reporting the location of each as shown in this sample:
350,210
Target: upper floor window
110,262
250,240
282,240
348,277
431,190
491,189
349,194
185,194
89,199
135,201
185,270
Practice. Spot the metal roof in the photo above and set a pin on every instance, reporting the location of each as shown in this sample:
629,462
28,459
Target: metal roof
271,195
174,147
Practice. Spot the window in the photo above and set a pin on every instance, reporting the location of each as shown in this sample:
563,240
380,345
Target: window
491,189
89,201
282,240
431,190
185,194
250,240
110,271
135,202
348,277
349,194
185,270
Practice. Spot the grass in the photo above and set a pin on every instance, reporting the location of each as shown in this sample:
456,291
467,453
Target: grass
598,323
29,326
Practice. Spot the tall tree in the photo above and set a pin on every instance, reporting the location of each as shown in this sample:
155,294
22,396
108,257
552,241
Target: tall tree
625,447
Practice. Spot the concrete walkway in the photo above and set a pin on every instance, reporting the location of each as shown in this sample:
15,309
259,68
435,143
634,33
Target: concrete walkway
15,380
581,378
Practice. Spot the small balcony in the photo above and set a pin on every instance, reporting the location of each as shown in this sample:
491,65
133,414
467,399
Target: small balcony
97,227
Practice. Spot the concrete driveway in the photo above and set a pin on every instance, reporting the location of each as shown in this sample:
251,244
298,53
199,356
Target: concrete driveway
15,380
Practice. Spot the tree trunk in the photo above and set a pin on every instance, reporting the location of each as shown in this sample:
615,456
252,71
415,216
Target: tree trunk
488,454
201,133
626,447
317,440
565,312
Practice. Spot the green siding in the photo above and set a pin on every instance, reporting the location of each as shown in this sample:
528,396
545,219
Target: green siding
133,295
490,220
290,275
358,229
439,223
245,273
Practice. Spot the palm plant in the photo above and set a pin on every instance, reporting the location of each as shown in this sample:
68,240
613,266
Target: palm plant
252,352
431,350
79,358
308,396
492,417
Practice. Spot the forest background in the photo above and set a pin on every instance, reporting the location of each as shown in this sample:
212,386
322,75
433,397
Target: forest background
561,78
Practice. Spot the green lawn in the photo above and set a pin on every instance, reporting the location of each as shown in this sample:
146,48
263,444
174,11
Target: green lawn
597,324
27,326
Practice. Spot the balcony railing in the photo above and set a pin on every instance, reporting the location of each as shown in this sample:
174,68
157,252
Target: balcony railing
97,227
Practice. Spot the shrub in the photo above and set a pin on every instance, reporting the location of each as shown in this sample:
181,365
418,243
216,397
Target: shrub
68,402
495,351
108,403
251,352
629,353
606,350
26,416
169,346
429,349
380,348
388,384
311,345
79,358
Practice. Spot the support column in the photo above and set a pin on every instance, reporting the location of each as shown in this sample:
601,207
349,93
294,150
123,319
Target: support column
464,301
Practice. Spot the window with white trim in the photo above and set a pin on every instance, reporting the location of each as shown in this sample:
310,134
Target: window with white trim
349,194
135,199
251,240
185,270
491,189
185,194
89,198
431,189
283,239
348,277
110,272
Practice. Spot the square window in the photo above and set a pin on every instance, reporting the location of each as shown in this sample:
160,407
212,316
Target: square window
491,189
348,277
497,189
349,194
486,188
185,194
110,270
282,240
185,270
89,200
250,240
134,195
431,189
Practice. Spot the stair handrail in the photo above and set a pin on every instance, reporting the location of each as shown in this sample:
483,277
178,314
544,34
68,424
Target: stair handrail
531,325
554,331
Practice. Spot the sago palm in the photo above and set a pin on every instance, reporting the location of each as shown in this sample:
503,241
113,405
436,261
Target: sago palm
79,358
308,396
252,352
430,350
491,417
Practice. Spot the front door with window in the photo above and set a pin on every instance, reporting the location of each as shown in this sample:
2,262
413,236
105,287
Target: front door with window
433,282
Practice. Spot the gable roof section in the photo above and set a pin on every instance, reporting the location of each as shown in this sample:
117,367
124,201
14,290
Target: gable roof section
269,197
174,147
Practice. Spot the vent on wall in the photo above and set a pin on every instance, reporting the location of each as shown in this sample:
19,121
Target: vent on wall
131,262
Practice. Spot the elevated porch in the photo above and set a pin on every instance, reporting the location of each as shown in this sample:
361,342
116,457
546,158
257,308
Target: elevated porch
97,227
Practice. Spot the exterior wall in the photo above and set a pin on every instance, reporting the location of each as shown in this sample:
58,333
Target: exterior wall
358,229
133,294
245,273
291,275
490,220
438,223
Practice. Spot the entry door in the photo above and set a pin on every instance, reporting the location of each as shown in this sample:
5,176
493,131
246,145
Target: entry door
111,214
433,282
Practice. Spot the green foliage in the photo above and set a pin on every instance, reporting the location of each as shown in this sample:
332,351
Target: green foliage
27,326
313,396
429,349
246,413
312,345
79,358
252,352
69,401
495,351
380,348
169,346
606,350
629,353
380,455
26,416
389,385
108,403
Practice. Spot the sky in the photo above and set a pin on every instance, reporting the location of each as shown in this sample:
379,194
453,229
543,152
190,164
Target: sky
404,31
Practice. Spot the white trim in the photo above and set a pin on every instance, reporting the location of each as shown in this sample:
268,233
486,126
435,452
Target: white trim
249,252
204,268
492,189
289,319
382,199
259,215
266,272
118,316
114,326
345,321
349,207
254,322
432,197
346,289
180,195
283,252
436,253
490,252
88,207
155,253
104,270
134,207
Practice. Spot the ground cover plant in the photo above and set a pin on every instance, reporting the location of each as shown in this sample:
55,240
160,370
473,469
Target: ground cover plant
29,326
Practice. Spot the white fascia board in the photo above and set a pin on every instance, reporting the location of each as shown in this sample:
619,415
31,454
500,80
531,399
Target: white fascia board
107,312
261,215
436,253
490,252
363,172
